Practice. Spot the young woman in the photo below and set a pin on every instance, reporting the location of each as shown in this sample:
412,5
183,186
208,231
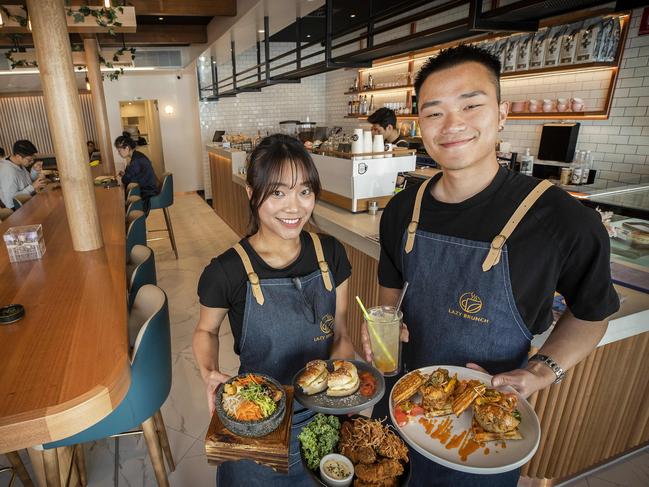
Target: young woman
284,291
138,168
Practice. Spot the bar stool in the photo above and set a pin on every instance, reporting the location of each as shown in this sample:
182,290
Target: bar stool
163,201
20,200
133,189
5,213
150,385
17,469
140,270
135,230
133,203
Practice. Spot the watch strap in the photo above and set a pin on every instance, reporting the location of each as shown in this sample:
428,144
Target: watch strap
556,368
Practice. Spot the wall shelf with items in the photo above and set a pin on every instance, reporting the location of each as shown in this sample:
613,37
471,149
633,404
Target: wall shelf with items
591,83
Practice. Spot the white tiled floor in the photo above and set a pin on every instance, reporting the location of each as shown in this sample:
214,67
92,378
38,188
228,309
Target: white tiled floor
201,235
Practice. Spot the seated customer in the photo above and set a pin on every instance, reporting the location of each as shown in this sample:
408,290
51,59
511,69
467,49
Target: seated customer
384,122
15,178
138,168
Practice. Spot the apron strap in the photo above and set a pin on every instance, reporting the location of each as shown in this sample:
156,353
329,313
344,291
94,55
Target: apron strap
412,226
322,263
493,257
250,272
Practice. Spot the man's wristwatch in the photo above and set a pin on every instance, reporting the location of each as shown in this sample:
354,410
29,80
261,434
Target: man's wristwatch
558,371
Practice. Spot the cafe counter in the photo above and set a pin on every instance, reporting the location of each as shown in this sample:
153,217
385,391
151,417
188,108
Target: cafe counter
596,414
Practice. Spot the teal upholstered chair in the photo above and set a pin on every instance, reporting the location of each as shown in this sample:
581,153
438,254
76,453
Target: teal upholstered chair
133,189
135,230
150,384
164,200
140,270
133,203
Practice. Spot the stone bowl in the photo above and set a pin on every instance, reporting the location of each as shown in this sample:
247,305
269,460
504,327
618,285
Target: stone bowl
252,429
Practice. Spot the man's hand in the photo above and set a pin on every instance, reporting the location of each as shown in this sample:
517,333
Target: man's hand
39,184
212,383
367,345
534,377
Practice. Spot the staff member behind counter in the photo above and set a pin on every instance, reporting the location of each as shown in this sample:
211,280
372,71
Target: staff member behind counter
476,242
384,122
284,291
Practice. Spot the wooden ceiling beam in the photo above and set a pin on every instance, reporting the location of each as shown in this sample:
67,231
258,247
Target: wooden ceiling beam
146,35
204,8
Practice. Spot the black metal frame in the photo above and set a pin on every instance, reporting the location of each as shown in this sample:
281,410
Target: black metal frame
521,16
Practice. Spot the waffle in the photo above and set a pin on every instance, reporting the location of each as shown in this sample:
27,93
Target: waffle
407,386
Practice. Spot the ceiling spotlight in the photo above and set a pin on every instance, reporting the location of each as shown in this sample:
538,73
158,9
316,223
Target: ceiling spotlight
107,3
161,18
261,31
308,35
353,15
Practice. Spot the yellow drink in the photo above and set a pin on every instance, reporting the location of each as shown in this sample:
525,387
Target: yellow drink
384,327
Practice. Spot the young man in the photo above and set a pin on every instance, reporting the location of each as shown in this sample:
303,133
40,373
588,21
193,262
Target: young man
14,176
383,123
482,282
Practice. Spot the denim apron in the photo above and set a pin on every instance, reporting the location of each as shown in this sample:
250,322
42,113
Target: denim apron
460,308
286,323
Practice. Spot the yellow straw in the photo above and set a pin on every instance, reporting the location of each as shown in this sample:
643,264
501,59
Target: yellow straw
376,336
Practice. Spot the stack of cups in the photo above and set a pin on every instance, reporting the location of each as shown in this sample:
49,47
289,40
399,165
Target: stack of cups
367,141
357,141
377,145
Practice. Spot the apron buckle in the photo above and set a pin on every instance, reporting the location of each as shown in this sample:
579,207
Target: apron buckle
253,278
324,267
412,227
498,242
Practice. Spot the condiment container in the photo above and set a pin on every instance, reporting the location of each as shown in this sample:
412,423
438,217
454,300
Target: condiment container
326,474
25,243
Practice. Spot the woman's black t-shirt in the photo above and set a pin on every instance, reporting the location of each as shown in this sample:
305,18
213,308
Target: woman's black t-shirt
560,245
224,281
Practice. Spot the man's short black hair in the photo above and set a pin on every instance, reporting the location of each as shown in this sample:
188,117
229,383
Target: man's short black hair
24,148
454,56
383,117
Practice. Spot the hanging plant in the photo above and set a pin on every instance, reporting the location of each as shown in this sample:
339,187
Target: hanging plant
23,21
123,50
105,16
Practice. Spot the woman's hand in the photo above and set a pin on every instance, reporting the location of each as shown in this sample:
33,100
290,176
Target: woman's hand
526,381
120,174
367,345
212,382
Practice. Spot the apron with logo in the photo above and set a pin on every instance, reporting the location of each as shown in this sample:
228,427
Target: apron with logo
460,308
287,322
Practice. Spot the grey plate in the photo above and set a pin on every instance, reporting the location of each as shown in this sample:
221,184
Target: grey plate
321,403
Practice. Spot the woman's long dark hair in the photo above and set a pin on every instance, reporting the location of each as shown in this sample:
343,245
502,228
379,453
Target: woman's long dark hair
124,141
265,165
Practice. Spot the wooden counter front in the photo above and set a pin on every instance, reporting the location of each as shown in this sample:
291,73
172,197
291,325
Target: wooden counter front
65,363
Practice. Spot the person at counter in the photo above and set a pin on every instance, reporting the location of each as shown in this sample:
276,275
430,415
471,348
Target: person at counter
285,306
15,178
384,122
472,242
138,168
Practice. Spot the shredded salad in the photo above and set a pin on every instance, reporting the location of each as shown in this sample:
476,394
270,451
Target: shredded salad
250,398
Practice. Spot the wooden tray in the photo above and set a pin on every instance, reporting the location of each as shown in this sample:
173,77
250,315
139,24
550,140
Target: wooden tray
271,450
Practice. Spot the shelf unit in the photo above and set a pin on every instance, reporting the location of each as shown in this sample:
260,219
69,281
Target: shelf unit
602,114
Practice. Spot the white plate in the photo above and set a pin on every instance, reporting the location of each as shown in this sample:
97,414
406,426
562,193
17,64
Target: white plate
499,460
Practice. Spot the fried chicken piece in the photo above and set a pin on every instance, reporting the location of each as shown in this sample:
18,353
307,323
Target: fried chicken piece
346,432
495,411
384,469
389,482
393,447
363,454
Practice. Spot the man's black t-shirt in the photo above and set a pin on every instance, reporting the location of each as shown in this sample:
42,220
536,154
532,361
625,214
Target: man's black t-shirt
560,245
223,283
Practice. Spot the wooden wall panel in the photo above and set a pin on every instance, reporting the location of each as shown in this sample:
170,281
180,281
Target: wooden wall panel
24,117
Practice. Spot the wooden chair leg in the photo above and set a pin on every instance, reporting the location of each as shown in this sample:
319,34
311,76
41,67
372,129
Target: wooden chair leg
19,468
51,465
155,452
164,440
80,459
170,229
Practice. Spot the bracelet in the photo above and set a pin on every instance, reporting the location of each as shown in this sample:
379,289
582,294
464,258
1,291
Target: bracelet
558,371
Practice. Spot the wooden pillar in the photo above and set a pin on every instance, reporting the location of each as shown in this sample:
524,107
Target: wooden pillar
50,33
91,49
